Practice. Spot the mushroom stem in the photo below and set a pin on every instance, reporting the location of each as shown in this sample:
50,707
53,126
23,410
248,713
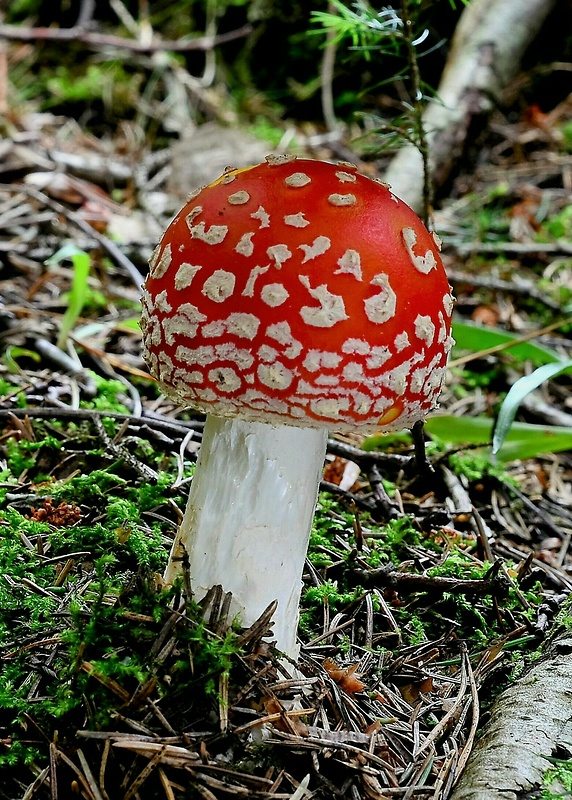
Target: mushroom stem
249,515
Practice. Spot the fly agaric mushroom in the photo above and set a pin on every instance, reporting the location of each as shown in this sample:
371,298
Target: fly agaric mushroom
284,300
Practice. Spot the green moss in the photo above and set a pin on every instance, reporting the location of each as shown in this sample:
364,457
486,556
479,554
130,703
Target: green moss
330,520
330,594
477,466
333,520
21,454
14,524
400,532
558,226
104,647
376,557
6,387
415,630
557,782
88,488
460,565
327,594
111,395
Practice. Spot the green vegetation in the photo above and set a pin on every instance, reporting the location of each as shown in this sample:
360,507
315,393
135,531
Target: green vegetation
119,528
110,395
106,654
557,782
80,558
477,465
109,83
516,395
400,541
558,226
476,338
524,440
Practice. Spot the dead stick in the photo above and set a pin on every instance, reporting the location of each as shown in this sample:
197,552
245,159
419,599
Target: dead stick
493,584
97,40
175,427
107,244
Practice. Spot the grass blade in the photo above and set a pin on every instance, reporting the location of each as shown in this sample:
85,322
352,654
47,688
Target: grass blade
79,289
516,395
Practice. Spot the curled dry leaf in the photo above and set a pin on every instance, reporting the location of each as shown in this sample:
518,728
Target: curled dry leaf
334,470
375,727
345,677
412,691
286,723
486,315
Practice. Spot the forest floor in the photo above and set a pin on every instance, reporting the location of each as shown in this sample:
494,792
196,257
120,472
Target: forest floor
415,612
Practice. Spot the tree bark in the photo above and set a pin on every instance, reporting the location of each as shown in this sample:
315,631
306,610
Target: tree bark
489,42
527,722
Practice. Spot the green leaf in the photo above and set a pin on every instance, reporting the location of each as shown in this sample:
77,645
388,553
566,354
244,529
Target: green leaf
523,439
14,352
516,395
132,323
384,441
79,289
470,336
365,27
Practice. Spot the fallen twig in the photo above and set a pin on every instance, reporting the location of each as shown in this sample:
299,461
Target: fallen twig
98,40
153,420
107,244
494,584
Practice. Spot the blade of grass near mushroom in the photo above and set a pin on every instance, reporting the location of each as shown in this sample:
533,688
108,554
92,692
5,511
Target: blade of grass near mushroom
284,300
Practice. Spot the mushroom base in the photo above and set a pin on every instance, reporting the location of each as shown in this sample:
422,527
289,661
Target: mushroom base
249,516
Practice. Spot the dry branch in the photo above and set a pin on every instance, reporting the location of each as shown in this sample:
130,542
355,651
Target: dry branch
99,40
494,584
527,722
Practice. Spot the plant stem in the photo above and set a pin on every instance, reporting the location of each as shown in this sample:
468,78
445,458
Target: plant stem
421,139
327,76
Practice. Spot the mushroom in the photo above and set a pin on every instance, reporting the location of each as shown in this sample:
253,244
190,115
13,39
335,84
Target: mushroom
284,300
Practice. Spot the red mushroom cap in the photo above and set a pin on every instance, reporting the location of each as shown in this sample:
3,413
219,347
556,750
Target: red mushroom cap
299,292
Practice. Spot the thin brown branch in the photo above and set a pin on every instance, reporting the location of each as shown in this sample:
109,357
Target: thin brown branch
494,584
327,77
98,40
498,348
107,244
175,427
508,248
491,282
